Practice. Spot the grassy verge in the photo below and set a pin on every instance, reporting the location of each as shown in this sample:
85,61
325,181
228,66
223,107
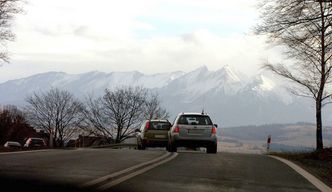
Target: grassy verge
318,163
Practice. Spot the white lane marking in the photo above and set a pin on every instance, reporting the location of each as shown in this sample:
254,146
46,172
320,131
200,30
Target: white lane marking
312,179
138,172
18,152
109,177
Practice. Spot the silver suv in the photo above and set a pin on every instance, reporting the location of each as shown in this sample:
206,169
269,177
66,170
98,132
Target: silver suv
193,130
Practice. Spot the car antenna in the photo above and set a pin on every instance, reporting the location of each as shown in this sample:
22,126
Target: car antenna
203,111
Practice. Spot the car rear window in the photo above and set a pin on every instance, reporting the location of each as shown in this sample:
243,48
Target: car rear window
157,125
194,120
37,141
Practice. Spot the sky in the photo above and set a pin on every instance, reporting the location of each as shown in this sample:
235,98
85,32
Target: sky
149,36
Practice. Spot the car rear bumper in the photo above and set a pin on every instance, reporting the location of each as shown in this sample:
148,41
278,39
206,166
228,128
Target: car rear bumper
155,143
193,142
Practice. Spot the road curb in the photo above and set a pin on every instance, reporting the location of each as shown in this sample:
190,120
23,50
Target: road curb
110,180
312,179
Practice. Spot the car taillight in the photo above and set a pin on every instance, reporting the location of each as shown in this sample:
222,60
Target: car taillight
147,125
214,130
176,130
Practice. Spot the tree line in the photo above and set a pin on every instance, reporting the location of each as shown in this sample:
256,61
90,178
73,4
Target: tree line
113,116
13,125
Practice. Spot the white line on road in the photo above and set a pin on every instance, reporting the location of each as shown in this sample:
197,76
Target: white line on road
138,172
312,179
116,174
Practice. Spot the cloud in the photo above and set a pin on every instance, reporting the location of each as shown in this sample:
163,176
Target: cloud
150,36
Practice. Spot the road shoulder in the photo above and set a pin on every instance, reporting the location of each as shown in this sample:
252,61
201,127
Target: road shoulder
311,178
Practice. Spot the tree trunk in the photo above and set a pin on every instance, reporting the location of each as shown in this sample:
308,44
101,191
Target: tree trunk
319,138
118,136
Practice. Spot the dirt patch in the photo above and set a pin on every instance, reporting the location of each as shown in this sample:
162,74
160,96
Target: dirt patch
318,163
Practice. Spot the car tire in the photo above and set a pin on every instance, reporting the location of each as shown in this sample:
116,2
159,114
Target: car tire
175,149
172,148
212,149
169,148
139,147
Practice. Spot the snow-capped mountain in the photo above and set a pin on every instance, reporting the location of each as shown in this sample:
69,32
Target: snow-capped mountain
231,98
15,91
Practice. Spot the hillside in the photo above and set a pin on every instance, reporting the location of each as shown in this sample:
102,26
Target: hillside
285,137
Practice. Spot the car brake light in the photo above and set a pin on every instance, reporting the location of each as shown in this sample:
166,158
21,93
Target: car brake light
176,130
147,125
214,130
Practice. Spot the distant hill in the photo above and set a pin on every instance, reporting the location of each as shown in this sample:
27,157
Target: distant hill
285,137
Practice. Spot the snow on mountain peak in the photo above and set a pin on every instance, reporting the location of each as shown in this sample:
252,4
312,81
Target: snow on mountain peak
231,73
190,85
225,92
200,70
267,84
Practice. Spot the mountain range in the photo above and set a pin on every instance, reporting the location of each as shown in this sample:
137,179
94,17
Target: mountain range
230,97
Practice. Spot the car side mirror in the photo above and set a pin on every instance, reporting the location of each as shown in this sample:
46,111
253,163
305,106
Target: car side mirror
137,130
215,125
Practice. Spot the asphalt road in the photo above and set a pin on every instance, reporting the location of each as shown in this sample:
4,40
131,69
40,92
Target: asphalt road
221,172
64,170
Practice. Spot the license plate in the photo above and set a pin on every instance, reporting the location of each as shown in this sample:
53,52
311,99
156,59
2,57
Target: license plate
195,131
160,136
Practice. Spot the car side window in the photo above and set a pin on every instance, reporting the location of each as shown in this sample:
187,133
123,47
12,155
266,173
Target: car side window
169,125
182,120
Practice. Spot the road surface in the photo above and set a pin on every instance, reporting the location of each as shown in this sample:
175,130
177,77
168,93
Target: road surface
65,170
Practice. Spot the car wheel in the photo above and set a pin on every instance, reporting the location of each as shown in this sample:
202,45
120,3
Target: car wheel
139,147
172,148
175,149
211,149
169,147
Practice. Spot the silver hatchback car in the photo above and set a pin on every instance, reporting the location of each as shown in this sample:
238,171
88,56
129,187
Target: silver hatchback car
193,130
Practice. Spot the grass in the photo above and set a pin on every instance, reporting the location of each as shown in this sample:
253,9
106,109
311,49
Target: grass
318,163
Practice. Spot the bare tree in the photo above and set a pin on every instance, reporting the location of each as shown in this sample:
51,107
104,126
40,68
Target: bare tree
95,121
8,9
304,27
57,112
153,108
119,112
124,108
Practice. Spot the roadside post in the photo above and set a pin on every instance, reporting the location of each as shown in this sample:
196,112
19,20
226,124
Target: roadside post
268,143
